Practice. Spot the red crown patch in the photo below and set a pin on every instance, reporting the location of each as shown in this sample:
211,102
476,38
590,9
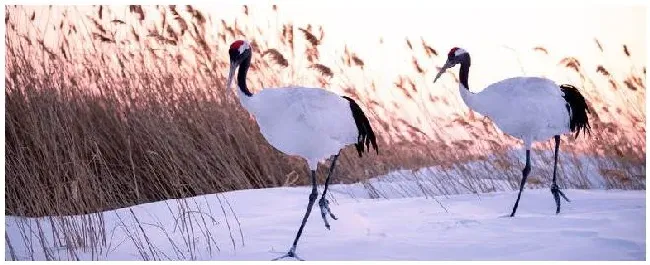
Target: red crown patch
235,45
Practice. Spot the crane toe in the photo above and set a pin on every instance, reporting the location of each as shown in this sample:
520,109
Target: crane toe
290,254
557,193
324,205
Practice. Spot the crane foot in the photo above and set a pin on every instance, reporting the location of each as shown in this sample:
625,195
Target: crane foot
290,254
557,193
324,205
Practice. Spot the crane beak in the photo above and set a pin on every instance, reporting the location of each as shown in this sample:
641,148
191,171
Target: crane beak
231,73
447,65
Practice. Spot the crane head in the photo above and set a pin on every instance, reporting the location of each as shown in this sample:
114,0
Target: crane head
454,57
238,52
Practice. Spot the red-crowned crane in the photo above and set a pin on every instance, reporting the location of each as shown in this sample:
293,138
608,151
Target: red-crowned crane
312,123
529,108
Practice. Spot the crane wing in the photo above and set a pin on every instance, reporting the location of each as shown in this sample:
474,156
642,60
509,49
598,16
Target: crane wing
313,111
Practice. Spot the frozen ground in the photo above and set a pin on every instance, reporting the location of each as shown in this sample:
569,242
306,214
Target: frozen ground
596,225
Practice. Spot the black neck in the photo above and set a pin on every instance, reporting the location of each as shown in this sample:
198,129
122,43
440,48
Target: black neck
241,76
465,62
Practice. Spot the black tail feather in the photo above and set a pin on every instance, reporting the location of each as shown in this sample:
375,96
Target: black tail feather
366,134
578,109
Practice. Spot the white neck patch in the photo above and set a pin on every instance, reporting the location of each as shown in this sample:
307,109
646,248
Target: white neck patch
459,51
243,47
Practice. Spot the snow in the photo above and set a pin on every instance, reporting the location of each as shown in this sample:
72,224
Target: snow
596,225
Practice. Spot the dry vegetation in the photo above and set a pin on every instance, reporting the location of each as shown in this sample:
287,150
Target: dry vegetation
119,111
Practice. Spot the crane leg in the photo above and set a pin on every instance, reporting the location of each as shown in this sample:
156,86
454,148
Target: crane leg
324,203
525,173
312,199
555,190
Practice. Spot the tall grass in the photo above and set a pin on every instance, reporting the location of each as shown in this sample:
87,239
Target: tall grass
124,109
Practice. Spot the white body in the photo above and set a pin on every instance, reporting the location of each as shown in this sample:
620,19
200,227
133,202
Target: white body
309,122
529,108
